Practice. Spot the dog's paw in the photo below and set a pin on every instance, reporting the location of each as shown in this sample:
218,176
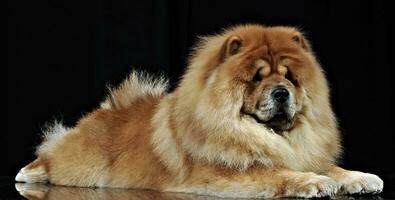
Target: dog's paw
359,183
315,186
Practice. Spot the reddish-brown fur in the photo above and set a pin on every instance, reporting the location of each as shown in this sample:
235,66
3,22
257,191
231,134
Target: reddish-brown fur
196,140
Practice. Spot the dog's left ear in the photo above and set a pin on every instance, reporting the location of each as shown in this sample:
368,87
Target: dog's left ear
301,41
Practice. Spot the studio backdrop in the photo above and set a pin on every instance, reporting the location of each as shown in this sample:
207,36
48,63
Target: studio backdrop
62,55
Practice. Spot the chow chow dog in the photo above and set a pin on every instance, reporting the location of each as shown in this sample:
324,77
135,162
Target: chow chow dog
251,117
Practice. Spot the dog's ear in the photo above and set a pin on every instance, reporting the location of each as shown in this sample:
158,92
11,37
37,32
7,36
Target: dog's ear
230,47
301,41
233,45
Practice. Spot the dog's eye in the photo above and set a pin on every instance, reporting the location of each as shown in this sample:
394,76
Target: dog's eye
290,77
258,76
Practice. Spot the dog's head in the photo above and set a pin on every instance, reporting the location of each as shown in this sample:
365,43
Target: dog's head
273,66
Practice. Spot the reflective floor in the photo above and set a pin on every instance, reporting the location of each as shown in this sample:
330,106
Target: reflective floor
50,192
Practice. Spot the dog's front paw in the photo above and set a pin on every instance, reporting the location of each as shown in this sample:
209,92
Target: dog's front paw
315,186
359,183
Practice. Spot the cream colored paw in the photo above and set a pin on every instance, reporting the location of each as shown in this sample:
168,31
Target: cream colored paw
358,182
316,186
35,175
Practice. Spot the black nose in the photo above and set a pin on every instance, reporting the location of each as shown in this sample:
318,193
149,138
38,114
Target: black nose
280,94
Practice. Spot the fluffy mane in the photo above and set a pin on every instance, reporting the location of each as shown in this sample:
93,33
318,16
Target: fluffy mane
214,132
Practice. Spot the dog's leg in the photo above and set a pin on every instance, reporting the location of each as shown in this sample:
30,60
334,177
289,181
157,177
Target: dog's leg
35,172
262,183
353,182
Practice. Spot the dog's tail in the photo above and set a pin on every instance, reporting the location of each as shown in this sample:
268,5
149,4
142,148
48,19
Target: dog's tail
137,85
35,172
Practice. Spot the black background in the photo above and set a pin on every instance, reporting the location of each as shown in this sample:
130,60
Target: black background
62,54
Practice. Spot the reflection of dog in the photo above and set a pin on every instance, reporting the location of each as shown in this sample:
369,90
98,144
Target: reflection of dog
35,191
251,118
